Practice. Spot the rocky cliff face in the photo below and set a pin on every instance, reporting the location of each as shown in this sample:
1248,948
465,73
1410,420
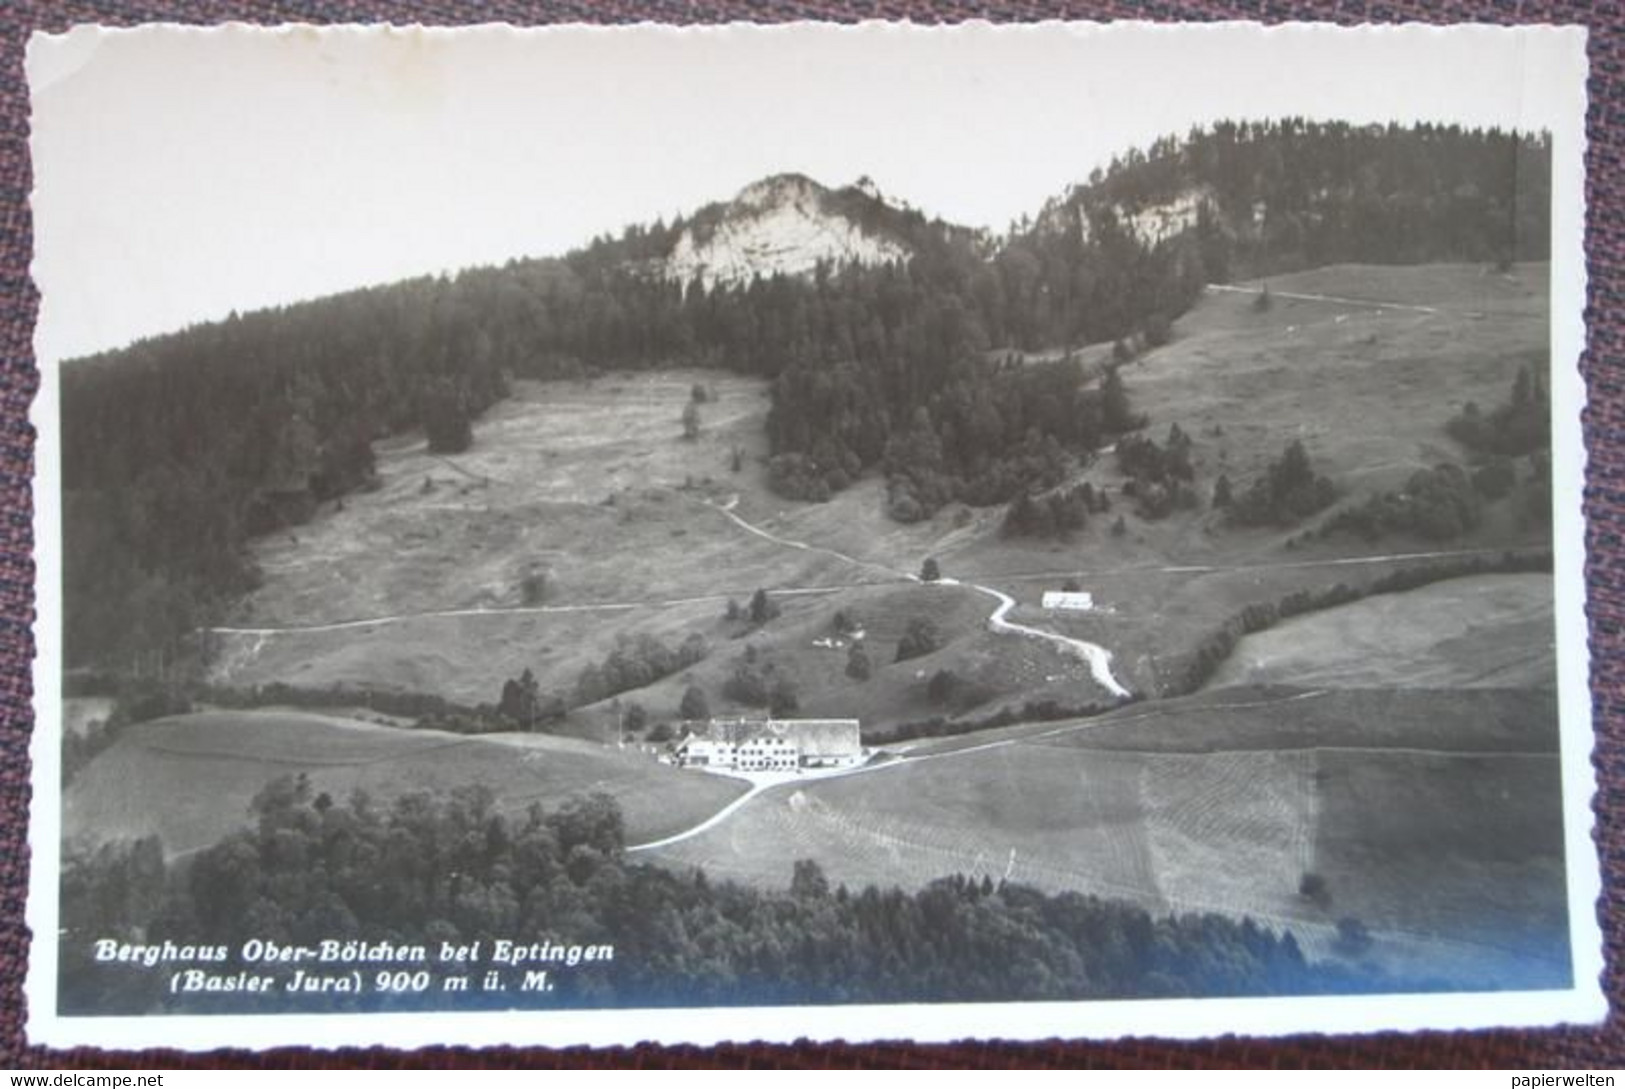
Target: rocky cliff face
785,224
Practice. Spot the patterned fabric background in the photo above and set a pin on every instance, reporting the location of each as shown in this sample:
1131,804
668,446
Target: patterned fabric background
1604,422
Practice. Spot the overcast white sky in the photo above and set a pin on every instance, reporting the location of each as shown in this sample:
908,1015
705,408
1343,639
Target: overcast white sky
181,174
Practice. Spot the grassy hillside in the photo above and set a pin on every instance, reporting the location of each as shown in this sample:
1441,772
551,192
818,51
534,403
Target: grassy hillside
190,779
590,485
419,586
1453,859
1406,346
1491,631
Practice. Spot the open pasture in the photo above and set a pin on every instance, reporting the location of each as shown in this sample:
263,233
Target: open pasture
589,483
1489,631
1284,787
1367,387
1338,349
1406,346
803,646
191,779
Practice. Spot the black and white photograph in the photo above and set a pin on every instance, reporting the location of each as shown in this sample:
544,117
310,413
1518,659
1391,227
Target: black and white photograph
880,531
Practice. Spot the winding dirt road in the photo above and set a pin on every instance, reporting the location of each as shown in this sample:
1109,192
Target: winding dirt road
1098,657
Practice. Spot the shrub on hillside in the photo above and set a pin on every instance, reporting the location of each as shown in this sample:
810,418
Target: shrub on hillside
1520,425
920,639
1496,478
1438,504
747,685
1289,491
762,608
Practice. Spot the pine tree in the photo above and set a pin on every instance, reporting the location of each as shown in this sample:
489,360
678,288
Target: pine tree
858,666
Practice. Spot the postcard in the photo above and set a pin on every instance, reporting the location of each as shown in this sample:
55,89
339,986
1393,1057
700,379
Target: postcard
589,535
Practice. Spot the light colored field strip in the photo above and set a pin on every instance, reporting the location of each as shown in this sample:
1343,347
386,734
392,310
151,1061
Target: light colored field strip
514,610
193,751
1381,750
1369,303
1213,569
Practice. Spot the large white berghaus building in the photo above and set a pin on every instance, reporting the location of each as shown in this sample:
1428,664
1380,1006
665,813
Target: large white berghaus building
756,744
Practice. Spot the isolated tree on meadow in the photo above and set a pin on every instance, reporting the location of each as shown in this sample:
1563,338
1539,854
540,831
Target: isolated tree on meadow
521,700
533,588
858,666
762,608
929,571
919,639
1116,412
447,422
807,881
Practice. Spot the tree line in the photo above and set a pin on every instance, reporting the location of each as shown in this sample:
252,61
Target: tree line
425,869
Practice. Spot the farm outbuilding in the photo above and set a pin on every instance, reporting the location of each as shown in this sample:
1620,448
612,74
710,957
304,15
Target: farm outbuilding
765,744
1069,599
